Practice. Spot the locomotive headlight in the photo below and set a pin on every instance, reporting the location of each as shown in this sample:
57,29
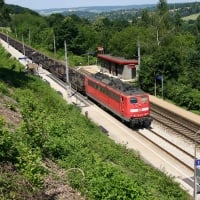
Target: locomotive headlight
145,109
134,110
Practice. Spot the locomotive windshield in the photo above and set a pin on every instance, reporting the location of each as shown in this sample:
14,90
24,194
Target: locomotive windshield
133,100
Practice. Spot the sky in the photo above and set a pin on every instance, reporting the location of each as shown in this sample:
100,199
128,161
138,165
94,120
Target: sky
45,4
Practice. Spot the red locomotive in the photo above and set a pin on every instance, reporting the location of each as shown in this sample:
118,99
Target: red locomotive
128,103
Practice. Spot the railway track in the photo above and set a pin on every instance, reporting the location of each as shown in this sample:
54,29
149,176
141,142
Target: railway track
181,152
166,144
176,123
178,127
181,128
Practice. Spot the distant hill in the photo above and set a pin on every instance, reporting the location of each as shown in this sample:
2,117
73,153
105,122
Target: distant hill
121,12
111,12
93,9
18,9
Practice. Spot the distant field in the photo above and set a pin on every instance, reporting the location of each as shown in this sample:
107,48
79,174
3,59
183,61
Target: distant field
191,17
4,29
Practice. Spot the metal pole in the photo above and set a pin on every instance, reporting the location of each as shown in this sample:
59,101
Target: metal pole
162,86
67,69
139,59
195,180
7,39
15,32
195,166
23,44
54,45
139,56
29,36
77,86
155,87
67,75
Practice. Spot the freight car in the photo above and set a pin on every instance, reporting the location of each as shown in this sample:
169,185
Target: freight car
130,104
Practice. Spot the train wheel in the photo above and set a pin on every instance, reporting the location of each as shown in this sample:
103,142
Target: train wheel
147,123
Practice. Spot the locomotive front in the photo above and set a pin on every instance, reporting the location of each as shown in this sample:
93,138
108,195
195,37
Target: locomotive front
139,110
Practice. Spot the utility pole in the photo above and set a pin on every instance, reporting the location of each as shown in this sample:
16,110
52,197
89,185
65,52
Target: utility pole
7,39
195,172
29,36
155,85
88,58
196,165
15,32
54,45
162,85
139,60
67,69
139,56
23,45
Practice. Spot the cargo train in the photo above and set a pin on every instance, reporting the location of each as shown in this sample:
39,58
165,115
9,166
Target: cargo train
128,103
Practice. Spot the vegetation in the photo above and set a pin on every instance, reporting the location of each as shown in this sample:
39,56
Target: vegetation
93,164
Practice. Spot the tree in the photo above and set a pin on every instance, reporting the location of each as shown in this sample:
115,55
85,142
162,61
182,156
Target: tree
198,24
119,24
162,7
4,14
145,18
193,71
1,3
65,31
124,43
177,20
86,40
54,19
30,26
161,19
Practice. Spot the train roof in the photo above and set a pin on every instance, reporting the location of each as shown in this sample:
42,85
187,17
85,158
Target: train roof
115,83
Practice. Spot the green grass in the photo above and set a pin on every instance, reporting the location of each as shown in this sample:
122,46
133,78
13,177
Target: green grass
191,17
5,29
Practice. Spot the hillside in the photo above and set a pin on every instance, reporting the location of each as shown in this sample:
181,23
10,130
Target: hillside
93,9
13,184
15,9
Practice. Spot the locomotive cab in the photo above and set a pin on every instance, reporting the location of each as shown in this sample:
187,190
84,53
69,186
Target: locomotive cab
138,110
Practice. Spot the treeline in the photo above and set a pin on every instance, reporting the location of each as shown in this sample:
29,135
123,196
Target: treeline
127,12
169,46
186,9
